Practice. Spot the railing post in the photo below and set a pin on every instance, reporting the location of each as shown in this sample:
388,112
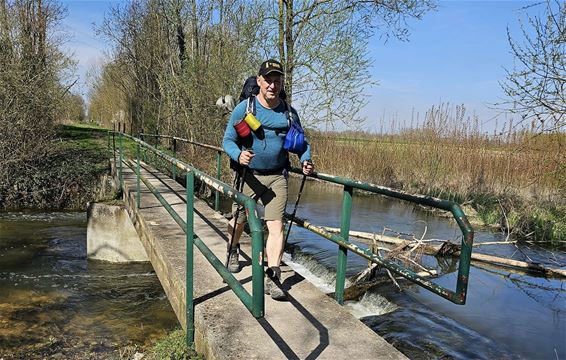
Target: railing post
465,253
189,259
120,163
138,175
174,169
258,297
343,252
218,174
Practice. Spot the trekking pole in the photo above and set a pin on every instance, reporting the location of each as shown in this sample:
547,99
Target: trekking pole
295,209
239,186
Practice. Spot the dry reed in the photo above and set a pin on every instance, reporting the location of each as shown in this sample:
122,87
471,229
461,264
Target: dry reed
448,156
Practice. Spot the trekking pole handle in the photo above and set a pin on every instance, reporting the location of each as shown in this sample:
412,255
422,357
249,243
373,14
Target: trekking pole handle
307,163
249,159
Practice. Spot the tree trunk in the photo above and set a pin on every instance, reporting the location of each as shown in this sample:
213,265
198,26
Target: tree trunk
281,31
180,34
290,45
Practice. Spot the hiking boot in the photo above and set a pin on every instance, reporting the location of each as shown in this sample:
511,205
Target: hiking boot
234,261
273,284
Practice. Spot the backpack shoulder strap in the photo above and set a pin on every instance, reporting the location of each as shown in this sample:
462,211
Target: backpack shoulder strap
288,109
250,107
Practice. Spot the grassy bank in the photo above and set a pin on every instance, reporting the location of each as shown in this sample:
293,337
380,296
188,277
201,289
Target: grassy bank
65,177
517,184
173,347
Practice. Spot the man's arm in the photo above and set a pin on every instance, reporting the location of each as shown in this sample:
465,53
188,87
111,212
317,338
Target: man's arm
305,158
229,143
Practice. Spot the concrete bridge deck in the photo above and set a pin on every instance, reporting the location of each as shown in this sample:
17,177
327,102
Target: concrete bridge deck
310,325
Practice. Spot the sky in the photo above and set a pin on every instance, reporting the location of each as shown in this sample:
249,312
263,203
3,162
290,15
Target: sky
455,55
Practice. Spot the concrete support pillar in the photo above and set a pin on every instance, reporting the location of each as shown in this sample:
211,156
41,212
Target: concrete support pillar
111,236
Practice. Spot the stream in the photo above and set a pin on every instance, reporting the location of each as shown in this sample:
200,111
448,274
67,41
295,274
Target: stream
54,303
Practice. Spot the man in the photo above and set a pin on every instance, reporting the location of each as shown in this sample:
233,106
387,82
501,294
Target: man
267,164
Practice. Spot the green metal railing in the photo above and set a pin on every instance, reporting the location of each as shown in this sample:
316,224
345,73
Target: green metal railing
457,296
219,151
254,302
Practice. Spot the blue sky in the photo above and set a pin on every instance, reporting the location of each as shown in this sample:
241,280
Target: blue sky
455,55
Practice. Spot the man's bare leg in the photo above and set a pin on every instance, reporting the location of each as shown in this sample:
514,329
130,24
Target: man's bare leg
234,253
274,250
274,246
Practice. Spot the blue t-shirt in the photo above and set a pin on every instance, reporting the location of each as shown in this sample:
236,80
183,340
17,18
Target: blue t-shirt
267,141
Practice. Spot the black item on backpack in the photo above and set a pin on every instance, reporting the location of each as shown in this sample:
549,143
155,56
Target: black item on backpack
250,88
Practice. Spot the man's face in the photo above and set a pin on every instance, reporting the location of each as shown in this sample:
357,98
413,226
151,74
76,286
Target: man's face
270,85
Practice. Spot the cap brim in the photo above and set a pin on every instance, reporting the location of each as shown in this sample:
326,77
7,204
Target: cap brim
272,71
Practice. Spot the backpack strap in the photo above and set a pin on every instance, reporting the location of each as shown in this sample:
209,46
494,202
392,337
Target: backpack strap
288,115
250,107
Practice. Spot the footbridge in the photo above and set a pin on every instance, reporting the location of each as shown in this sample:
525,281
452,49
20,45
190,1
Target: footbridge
227,315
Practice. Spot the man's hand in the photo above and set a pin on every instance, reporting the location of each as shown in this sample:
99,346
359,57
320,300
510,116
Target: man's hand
308,167
245,157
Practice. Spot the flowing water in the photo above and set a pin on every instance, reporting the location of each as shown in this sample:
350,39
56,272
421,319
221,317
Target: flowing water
54,303
507,315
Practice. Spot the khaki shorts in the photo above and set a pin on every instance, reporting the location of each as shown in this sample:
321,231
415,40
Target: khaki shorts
268,190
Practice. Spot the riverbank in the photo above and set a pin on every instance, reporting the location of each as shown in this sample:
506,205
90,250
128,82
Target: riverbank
516,186
173,346
74,170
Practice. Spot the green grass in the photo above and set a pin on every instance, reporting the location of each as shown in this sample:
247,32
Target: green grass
66,177
173,347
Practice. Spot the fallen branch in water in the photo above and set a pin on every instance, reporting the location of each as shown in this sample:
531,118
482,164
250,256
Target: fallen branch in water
364,281
434,249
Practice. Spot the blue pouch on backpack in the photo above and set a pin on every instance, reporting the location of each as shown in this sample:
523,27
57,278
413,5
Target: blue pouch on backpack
295,139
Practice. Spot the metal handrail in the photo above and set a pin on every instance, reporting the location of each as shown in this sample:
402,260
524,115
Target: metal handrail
457,296
254,302
219,152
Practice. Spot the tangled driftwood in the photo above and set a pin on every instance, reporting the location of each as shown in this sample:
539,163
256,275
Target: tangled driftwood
451,249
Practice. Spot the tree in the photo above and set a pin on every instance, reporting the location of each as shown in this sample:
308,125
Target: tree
323,46
72,109
172,59
536,85
32,67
